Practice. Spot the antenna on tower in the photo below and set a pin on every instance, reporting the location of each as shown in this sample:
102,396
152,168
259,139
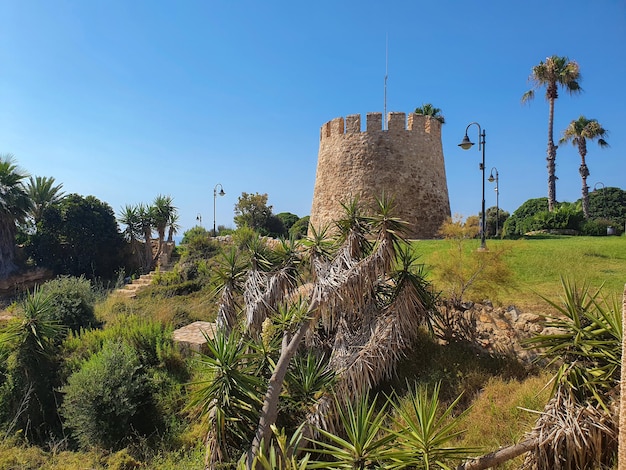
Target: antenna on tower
386,66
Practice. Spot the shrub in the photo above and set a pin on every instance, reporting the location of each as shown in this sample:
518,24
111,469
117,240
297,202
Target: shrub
596,227
108,400
72,300
300,228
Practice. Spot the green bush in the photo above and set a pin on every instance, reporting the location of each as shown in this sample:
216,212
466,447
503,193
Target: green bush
596,227
300,228
108,402
533,215
72,300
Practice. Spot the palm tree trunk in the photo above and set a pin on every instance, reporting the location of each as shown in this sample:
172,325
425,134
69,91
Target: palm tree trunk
551,158
584,173
7,247
621,453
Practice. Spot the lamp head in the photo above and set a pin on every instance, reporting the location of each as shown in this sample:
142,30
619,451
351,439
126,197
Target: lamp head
222,193
466,143
491,179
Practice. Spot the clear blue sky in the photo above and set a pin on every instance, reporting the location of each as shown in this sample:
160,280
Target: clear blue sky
125,100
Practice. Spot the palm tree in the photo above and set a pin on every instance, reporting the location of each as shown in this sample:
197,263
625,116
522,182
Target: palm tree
554,72
43,193
429,110
578,132
15,206
173,225
129,216
367,301
163,211
146,220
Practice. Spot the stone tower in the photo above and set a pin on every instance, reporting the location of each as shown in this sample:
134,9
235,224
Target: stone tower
405,162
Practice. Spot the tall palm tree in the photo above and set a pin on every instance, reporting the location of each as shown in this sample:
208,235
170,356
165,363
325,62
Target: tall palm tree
555,72
43,193
429,110
146,221
15,206
133,232
163,209
578,132
173,225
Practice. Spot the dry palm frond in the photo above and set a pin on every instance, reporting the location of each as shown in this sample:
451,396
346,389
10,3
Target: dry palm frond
572,435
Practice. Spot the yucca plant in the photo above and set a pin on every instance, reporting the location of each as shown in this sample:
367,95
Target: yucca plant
228,396
363,439
578,428
584,342
425,436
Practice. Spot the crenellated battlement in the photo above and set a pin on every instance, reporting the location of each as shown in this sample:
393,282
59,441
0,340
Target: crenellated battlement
396,122
404,161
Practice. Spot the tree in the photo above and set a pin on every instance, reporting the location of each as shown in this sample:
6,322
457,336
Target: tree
146,220
429,110
495,221
555,72
252,211
578,132
15,205
79,236
365,305
43,193
164,214
288,219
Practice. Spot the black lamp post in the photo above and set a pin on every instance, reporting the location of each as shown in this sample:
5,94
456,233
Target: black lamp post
215,193
491,179
466,144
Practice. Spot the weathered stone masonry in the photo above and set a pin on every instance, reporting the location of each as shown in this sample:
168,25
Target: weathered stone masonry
404,161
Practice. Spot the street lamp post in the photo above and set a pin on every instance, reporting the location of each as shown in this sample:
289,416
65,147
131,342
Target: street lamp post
466,144
199,219
215,194
491,179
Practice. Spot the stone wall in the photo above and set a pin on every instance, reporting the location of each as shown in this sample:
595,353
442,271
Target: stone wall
405,162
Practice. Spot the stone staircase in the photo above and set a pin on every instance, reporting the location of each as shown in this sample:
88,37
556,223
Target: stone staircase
131,289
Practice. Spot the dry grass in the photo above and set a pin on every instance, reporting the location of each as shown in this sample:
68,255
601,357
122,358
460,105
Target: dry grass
499,415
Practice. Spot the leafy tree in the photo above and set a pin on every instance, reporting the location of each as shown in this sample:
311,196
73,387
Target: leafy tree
15,205
495,214
252,211
578,132
429,110
79,236
43,193
300,228
610,204
519,222
288,219
555,72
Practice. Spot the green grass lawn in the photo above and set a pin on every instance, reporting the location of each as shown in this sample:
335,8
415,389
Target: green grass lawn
538,263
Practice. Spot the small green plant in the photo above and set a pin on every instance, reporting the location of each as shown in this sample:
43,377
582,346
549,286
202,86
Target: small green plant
72,302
